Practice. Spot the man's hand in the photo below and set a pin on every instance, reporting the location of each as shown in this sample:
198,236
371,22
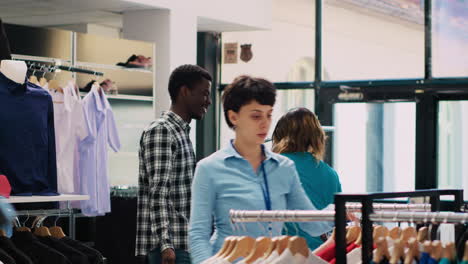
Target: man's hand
168,256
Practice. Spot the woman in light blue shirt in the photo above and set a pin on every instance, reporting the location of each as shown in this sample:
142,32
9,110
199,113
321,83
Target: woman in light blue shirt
299,136
244,175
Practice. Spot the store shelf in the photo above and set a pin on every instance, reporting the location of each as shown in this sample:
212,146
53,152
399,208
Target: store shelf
110,67
42,199
39,59
126,97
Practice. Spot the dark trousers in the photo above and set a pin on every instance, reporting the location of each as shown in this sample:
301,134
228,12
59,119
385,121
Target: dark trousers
182,257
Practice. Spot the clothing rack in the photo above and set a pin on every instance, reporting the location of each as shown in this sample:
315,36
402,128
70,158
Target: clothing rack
317,215
238,216
368,216
54,65
66,212
388,213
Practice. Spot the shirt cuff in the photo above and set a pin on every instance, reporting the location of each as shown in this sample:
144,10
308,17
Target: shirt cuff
165,246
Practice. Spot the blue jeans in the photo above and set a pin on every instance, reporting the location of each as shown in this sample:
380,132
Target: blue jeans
182,257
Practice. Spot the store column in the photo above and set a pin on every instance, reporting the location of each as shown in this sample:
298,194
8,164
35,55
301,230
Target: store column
174,33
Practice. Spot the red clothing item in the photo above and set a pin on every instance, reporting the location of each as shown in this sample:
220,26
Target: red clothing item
328,253
349,248
5,187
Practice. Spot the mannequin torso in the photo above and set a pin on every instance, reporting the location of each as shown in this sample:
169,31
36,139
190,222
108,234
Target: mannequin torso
14,70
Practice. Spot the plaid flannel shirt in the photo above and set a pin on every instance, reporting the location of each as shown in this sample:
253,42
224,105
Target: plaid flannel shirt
167,163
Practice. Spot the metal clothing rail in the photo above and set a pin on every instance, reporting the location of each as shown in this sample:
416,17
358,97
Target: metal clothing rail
238,216
424,207
55,65
66,212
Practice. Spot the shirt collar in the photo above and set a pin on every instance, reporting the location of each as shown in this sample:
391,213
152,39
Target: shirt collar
176,119
100,98
10,84
229,151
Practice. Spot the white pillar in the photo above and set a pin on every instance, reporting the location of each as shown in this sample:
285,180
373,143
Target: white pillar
174,33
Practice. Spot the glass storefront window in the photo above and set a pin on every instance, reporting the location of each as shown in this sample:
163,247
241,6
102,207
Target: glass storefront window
450,38
453,145
374,146
373,39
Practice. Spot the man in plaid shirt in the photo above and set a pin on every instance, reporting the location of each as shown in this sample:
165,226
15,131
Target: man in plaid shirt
167,163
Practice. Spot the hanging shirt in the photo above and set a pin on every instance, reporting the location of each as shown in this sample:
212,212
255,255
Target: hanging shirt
27,138
94,256
328,253
320,183
70,127
311,259
38,252
102,132
15,253
73,255
274,255
225,181
286,258
5,258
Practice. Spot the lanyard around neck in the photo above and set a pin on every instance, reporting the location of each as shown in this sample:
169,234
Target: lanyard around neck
265,187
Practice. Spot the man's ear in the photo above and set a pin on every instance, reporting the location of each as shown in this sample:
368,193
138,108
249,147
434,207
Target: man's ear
184,90
233,117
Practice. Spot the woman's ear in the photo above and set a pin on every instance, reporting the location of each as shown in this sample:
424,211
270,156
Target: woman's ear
233,117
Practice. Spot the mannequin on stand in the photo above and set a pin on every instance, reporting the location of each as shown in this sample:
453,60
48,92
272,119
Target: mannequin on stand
13,70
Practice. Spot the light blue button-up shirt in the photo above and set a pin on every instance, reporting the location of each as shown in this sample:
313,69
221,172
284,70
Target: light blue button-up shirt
102,132
225,181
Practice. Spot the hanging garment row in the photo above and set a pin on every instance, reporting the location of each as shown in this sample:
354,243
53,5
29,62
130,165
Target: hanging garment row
83,130
44,245
64,138
397,245
404,239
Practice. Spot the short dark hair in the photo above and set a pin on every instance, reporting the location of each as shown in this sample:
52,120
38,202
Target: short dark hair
245,89
187,75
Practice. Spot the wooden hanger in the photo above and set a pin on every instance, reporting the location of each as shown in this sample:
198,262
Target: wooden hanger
33,79
352,233
465,255
382,250
23,229
231,247
272,247
413,251
242,249
42,81
54,85
282,244
379,231
423,234
359,239
260,247
449,251
407,233
42,231
395,232
2,233
57,232
436,250
427,247
226,244
398,252
298,245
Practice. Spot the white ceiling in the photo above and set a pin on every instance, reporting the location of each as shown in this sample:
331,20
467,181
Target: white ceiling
44,13
64,12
